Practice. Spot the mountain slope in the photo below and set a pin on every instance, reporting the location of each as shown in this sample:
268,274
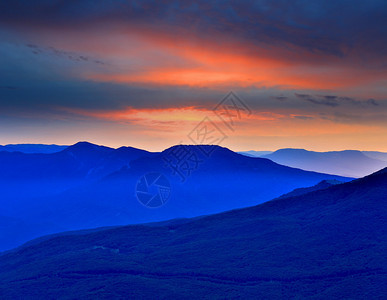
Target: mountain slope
327,244
376,155
320,186
349,163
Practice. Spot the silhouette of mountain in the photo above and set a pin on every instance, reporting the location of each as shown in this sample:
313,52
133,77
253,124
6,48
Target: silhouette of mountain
32,148
80,161
349,163
326,244
88,186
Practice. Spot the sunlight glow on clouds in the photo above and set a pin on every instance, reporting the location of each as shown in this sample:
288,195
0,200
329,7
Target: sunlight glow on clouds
148,71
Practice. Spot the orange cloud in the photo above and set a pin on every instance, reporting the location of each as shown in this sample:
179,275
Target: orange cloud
141,56
181,121
258,77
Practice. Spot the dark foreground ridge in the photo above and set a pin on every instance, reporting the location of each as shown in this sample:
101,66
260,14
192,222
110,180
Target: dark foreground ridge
326,244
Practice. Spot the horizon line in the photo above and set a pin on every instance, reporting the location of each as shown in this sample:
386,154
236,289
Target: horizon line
223,146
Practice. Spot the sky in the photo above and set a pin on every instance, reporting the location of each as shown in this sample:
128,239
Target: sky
151,74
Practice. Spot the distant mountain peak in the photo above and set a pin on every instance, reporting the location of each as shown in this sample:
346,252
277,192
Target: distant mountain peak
202,147
291,149
86,146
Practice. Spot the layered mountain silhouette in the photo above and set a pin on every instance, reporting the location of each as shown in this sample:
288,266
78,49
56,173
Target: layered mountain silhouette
325,244
32,148
350,163
87,186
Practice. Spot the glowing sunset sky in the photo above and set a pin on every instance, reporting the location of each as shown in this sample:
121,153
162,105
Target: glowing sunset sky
145,73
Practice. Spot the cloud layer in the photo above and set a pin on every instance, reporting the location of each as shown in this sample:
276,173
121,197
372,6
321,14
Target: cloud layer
311,70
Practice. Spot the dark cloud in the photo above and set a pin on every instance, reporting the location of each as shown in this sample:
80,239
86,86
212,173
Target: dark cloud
63,95
281,98
356,118
334,101
372,102
306,97
336,28
349,100
303,117
63,54
327,102
329,97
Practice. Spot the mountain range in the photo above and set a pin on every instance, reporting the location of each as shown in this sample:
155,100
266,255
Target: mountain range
329,243
87,186
351,163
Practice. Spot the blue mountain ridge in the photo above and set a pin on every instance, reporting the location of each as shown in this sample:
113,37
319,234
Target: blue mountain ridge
351,163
